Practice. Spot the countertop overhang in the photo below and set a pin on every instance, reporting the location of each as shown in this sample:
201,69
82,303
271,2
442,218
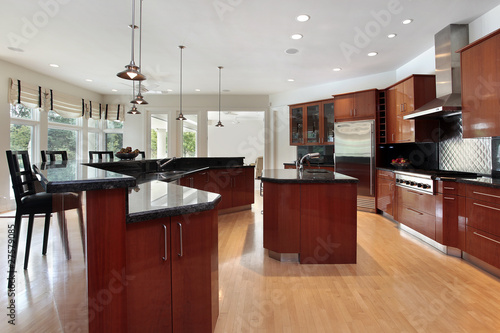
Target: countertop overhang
305,176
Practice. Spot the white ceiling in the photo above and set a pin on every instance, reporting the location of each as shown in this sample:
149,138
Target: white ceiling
90,40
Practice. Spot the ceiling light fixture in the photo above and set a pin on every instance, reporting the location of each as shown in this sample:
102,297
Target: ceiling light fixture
88,80
181,116
303,18
139,99
114,90
54,65
372,54
219,124
337,69
291,80
132,72
296,36
134,109
391,35
407,21
197,90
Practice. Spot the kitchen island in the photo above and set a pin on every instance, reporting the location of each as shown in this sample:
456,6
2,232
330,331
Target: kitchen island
310,216
150,255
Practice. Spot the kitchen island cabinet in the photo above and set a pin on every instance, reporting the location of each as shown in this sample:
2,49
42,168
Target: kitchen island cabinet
310,213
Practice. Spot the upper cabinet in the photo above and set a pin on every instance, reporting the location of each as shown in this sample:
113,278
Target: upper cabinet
480,69
403,98
356,106
312,123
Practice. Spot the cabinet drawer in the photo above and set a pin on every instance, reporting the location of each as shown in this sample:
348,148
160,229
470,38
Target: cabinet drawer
418,221
483,193
450,188
483,246
483,215
385,174
421,202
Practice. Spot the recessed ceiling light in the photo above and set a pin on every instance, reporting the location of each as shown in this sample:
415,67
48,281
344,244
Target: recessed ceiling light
114,90
291,51
372,54
296,36
337,69
169,90
303,18
54,65
197,90
291,80
88,80
407,21
391,35
15,49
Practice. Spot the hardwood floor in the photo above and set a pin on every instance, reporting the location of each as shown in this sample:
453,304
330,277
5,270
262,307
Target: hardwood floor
398,285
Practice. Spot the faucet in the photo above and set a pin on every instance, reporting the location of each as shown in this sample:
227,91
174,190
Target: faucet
308,156
163,162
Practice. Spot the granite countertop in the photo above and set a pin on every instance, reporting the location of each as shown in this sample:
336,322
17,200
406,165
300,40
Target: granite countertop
481,181
158,199
148,198
306,176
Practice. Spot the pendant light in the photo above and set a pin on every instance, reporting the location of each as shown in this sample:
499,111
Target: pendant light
219,124
181,116
132,72
139,99
134,109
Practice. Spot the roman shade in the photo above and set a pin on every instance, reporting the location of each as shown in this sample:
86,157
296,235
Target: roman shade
26,94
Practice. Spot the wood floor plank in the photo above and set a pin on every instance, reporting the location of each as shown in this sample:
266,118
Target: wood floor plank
398,285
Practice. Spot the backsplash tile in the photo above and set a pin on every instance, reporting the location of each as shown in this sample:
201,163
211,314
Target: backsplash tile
458,154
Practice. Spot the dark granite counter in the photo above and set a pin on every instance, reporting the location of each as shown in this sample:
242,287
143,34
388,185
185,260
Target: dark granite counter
481,181
306,176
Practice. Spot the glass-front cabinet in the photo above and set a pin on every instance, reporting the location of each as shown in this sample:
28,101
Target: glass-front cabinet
312,123
296,125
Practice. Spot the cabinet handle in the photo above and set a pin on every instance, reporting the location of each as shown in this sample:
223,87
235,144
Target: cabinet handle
448,198
165,235
354,112
491,239
180,237
415,211
448,188
486,194
476,204
392,136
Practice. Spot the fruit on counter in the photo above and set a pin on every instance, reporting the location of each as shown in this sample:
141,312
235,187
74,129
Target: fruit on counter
400,160
129,150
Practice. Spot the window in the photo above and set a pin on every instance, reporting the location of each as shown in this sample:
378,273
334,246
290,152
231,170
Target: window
189,136
24,123
113,135
159,135
63,139
21,137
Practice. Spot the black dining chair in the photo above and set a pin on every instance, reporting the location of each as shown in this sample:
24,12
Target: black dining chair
53,154
143,154
100,155
30,202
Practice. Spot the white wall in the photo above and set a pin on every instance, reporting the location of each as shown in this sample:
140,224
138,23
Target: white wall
423,64
485,24
245,138
8,70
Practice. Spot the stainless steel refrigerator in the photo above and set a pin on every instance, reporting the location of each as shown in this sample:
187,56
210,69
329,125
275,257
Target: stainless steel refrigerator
355,157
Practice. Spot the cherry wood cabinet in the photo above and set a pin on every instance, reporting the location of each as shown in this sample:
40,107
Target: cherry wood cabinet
480,74
385,191
173,268
312,123
405,97
417,211
356,106
450,214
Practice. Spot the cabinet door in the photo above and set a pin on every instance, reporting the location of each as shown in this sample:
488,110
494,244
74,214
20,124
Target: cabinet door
222,185
385,194
365,104
249,186
480,89
312,123
149,309
328,123
194,272
238,188
296,125
408,96
200,180
343,106
391,115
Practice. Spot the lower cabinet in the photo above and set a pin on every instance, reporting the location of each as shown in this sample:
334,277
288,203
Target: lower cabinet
450,214
417,211
385,191
172,271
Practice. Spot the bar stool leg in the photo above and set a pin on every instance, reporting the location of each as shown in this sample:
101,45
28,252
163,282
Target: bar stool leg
12,268
28,240
46,233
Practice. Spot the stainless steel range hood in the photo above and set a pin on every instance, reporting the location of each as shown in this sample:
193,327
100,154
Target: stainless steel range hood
448,85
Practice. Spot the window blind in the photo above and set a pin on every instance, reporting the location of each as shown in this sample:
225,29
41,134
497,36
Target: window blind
29,95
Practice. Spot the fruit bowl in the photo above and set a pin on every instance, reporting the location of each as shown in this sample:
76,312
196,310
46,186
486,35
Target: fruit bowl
401,165
126,156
